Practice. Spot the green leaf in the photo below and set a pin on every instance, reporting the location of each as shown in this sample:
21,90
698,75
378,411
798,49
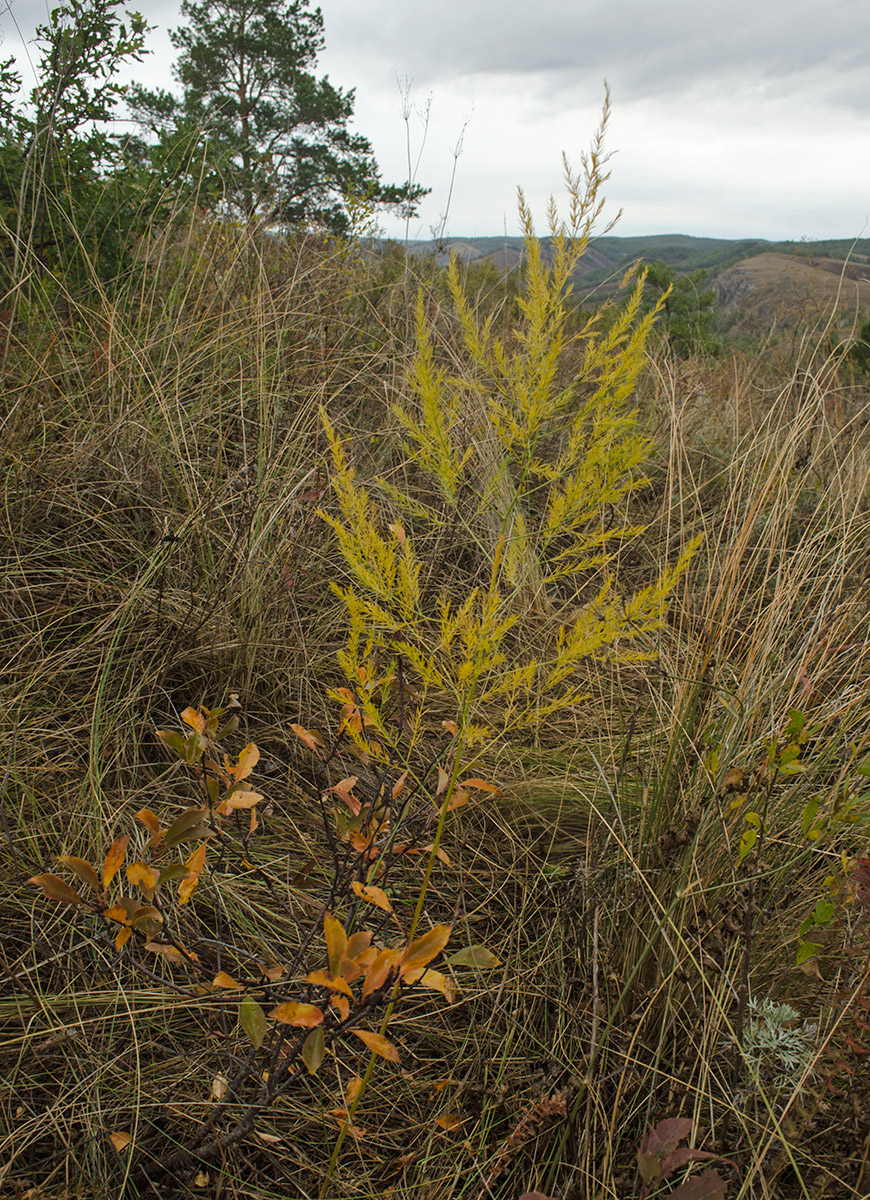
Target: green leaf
805,951
477,957
789,754
253,1020
174,741
747,843
824,910
186,827
313,1050
796,722
792,768
809,815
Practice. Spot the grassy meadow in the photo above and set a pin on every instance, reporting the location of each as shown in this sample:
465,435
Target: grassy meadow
651,874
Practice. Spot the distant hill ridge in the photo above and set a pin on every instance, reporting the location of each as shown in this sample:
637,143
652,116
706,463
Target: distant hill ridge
609,256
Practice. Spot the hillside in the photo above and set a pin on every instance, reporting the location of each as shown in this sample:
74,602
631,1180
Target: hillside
785,279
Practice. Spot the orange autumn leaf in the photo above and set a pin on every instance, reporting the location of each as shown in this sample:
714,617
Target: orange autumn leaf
336,942
342,1117
344,790
341,1005
248,759
374,895
460,796
171,952
434,980
194,866
124,933
83,869
194,718
54,888
425,948
352,1089
378,1044
118,912
120,1141
379,972
480,784
303,1016
114,859
149,820
357,944
335,983
311,738
223,980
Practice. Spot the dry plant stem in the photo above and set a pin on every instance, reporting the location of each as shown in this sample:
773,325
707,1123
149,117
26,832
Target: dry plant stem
415,920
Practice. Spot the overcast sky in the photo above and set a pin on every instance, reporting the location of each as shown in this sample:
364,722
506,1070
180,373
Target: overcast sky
745,120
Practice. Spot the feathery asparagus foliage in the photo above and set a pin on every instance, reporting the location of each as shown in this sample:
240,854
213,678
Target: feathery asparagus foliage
521,450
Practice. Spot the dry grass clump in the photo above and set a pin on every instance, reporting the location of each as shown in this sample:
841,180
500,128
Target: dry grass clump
164,465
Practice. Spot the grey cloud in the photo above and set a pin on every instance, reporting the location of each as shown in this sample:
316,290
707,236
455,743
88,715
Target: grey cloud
646,49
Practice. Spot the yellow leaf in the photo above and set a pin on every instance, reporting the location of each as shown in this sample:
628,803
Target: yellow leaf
139,874
475,956
239,800
374,895
114,859
378,1044
124,933
357,944
303,1016
425,948
222,980
120,1141
118,912
201,1179
450,1121
352,1089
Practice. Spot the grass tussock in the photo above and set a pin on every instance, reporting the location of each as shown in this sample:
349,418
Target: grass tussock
660,841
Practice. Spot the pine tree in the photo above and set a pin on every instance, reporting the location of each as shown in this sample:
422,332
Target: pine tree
274,138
